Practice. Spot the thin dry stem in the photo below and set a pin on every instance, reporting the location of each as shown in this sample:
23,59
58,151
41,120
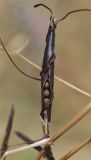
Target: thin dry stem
27,60
39,155
72,87
57,78
73,122
75,150
13,151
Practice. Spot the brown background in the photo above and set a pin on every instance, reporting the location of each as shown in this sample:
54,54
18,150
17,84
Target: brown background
19,22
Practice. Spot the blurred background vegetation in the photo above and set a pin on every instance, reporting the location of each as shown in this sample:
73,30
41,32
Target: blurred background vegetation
20,22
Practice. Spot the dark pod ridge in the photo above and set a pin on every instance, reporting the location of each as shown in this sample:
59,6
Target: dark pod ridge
47,73
7,132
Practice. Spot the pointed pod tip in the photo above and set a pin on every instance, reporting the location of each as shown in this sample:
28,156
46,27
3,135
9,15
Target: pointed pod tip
35,6
12,109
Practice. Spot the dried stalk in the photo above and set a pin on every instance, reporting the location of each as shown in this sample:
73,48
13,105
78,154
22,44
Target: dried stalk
57,78
47,152
39,143
14,145
46,141
39,155
75,150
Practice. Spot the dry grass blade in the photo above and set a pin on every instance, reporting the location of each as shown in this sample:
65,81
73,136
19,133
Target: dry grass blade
57,78
47,151
27,60
14,145
75,150
46,141
73,87
73,122
40,155
27,140
20,149
7,133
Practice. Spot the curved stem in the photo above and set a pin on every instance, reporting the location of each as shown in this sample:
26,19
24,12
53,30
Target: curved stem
40,4
71,12
15,64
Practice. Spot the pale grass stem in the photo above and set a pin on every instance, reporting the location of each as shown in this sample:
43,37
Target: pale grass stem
39,155
76,149
57,78
57,135
38,143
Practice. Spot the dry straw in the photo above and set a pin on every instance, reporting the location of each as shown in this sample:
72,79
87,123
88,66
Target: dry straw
57,135
75,150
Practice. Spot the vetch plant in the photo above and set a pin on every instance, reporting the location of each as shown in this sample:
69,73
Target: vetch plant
43,145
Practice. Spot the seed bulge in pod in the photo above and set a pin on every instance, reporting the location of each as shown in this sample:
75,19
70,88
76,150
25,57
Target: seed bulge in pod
46,101
47,85
46,93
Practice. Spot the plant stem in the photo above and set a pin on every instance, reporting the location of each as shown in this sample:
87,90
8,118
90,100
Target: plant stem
75,150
